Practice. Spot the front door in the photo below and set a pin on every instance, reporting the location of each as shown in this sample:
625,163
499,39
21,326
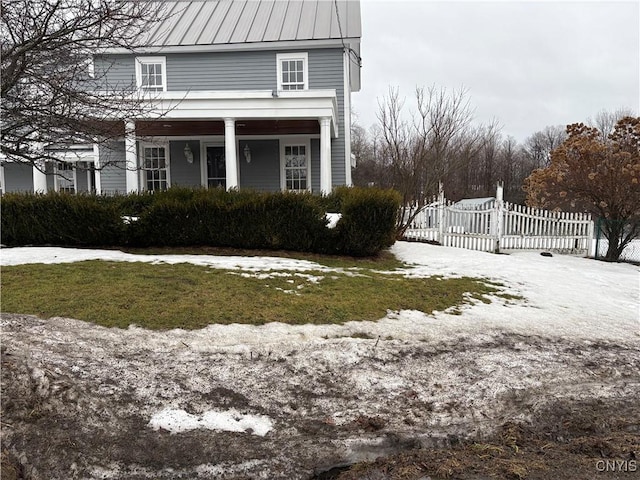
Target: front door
216,168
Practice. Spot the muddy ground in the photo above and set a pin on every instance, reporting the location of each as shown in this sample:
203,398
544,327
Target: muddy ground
77,400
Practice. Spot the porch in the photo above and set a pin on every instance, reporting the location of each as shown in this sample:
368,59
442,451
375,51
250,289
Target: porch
70,170
269,155
266,140
276,140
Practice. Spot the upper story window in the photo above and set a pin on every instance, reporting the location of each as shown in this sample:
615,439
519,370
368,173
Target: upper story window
292,71
151,73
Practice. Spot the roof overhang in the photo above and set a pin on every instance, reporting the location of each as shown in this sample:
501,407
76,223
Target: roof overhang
236,47
243,105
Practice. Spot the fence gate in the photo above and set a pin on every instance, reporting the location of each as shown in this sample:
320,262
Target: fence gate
493,225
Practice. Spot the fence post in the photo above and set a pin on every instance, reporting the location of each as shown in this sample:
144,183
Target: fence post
590,234
497,217
441,213
598,231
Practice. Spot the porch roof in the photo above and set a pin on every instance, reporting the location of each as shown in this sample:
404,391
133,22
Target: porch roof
243,105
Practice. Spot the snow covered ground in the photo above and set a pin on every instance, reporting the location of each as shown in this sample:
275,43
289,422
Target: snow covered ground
564,296
282,402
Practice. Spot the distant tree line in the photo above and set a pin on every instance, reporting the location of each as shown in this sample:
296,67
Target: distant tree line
437,141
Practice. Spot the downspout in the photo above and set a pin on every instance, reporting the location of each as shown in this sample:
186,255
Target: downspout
347,117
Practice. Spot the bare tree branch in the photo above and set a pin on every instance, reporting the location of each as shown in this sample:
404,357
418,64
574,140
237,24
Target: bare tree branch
50,96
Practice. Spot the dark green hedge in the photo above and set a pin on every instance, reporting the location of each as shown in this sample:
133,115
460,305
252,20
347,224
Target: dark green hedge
368,222
198,217
60,219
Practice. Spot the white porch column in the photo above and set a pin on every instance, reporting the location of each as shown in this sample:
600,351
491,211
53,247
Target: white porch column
131,157
3,186
39,177
325,155
230,156
97,172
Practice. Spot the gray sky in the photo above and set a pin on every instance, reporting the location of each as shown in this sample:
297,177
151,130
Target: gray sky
527,64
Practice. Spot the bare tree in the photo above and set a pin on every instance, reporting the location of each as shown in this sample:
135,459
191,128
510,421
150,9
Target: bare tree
491,141
418,153
538,147
513,170
605,121
50,94
464,180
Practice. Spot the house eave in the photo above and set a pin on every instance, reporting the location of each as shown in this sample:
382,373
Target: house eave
236,47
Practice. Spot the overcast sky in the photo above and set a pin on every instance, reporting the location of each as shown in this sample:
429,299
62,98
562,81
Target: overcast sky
527,64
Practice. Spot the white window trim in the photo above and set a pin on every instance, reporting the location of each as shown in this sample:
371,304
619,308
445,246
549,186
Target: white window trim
58,175
142,174
161,60
293,141
280,57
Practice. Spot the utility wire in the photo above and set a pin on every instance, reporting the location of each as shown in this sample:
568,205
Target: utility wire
357,59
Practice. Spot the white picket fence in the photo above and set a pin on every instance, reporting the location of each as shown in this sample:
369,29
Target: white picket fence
495,226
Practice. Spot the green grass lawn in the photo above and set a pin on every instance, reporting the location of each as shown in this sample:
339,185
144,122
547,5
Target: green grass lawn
118,294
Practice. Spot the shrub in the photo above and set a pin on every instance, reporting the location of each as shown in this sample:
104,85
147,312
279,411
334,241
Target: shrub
230,219
199,217
368,220
60,219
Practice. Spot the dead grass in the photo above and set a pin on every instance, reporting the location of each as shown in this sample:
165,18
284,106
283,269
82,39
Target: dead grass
561,441
9,467
118,294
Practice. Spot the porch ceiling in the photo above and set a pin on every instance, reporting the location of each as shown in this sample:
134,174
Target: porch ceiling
196,128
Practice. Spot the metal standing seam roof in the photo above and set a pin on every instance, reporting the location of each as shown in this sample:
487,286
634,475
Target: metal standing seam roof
227,22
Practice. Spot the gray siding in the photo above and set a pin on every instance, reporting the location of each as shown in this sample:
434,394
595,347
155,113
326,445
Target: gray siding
198,71
263,173
226,70
326,71
222,71
113,174
115,72
315,164
182,173
18,177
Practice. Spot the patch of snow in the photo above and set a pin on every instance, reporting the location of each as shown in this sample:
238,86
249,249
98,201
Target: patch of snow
176,421
333,219
264,276
291,292
53,255
288,277
222,469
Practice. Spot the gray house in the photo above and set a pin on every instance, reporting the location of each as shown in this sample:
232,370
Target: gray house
237,94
